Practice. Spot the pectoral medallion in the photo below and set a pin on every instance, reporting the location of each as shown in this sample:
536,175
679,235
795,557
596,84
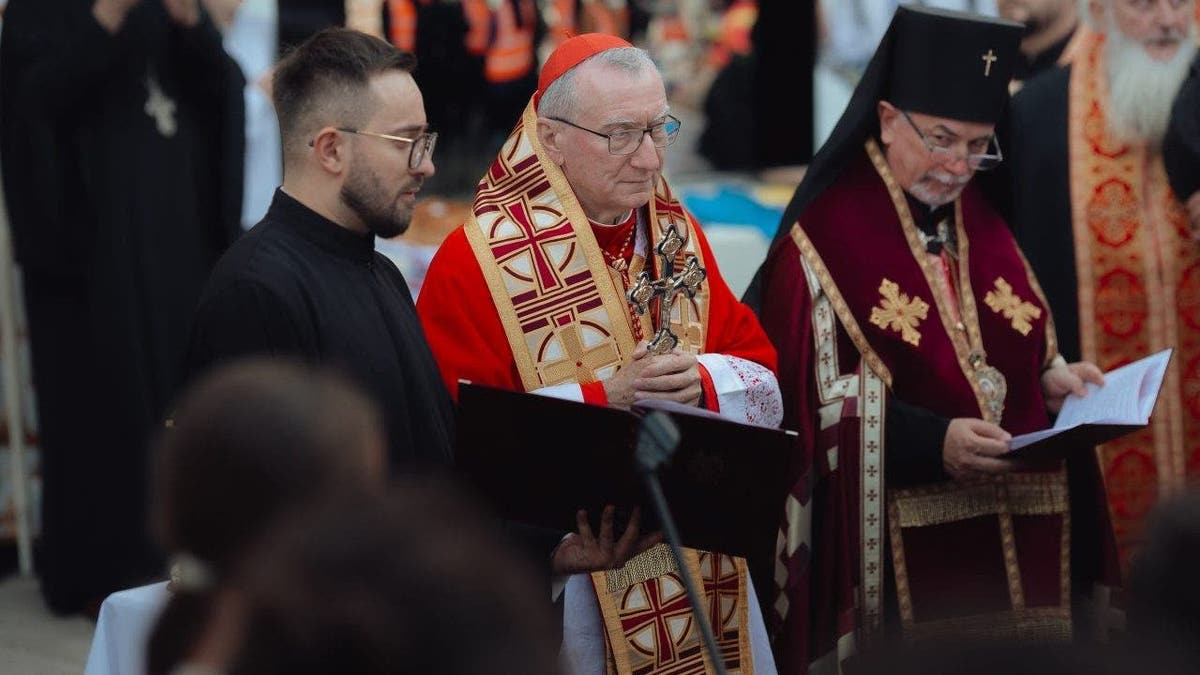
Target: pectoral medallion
992,384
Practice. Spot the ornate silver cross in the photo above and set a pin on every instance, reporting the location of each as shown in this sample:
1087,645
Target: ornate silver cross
666,289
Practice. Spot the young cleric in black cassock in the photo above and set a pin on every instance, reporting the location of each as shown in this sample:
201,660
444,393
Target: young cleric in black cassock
298,284
122,157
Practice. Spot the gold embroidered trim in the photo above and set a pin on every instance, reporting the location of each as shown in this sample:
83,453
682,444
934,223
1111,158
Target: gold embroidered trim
1003,301
844,315
1037,623
831,384
897,312
970,317
653,562
899,565
1008,547
954,501
1051,331
526,346
746,655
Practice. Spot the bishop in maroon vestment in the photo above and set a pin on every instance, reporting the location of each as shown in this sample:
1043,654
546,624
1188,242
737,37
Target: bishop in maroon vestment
913,342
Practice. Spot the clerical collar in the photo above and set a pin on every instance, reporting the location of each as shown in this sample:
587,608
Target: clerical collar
320,230
928,220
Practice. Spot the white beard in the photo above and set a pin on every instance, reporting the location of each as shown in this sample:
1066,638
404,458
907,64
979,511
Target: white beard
1141,89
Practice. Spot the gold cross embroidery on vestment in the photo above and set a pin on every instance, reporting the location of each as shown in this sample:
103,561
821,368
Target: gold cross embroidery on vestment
897,312
1002,300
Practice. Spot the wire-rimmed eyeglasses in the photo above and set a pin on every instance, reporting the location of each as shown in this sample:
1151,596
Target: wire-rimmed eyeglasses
943,146
422,145
627,141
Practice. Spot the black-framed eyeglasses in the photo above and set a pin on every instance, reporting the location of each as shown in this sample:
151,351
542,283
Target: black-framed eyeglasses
422,145
943,147
627,141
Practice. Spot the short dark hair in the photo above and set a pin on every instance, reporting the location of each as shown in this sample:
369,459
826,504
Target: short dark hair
324,80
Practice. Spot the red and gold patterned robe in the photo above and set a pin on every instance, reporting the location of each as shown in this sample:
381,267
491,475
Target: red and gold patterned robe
1112,244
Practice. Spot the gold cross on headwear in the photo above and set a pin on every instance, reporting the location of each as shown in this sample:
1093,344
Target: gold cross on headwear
989,58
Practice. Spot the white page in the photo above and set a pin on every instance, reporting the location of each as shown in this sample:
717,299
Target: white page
1127,397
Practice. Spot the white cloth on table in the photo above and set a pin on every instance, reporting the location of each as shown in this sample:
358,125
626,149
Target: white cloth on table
583,648
123,630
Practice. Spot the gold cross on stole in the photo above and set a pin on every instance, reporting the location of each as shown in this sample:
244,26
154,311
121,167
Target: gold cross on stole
578,364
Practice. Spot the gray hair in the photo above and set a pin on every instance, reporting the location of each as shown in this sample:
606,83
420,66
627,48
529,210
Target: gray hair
559,99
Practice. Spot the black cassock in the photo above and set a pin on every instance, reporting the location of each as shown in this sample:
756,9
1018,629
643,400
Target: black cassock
300,285
119,206
1034,182
1033,185
1181,147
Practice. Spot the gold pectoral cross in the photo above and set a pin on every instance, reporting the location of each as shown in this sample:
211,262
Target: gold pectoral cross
988,59
666,289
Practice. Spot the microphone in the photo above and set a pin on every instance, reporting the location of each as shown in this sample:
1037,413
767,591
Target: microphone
657,440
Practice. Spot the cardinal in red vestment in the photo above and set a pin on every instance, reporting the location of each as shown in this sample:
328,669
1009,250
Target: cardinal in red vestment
579,275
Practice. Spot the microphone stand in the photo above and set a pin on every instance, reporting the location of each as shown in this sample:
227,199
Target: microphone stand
657,441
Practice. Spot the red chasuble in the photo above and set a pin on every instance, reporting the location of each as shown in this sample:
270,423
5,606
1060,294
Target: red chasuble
524,297
860,311
1138,273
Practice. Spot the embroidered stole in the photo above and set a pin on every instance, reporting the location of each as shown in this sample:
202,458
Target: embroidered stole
567,319
894,321
1139,292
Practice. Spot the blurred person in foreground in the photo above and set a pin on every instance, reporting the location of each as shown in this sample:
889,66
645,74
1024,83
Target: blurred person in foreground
1105,234
1164,594
385,584
121,138
251,442
914,343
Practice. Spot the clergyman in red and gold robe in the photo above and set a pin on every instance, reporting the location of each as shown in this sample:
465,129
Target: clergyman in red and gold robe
1110,240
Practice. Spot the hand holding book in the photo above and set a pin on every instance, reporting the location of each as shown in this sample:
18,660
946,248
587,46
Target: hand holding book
1068,379
1121,405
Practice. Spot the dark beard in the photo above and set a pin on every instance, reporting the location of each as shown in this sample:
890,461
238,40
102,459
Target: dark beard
379,224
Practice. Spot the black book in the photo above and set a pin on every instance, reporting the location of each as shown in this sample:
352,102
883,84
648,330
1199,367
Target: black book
538,460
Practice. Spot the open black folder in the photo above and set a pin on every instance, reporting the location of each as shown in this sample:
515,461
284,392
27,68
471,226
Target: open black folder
538,460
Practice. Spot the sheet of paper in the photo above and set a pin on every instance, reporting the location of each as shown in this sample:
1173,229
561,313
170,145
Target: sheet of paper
1127,397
